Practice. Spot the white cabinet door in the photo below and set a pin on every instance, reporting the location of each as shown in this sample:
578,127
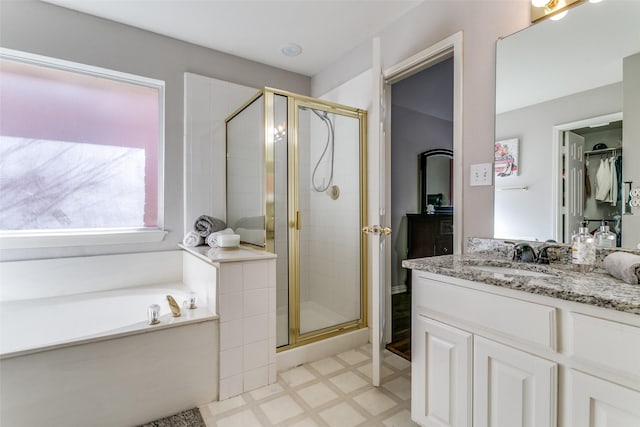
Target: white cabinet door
512,388
600,403
440,374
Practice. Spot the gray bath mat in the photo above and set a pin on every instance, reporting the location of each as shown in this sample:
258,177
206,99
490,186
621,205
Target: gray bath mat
189,418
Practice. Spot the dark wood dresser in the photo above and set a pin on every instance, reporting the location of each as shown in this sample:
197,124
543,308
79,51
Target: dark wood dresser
429,235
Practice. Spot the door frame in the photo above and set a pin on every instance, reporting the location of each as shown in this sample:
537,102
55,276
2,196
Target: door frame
448,47
556,164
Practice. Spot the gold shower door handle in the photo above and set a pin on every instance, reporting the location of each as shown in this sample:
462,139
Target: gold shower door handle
297,221
376,229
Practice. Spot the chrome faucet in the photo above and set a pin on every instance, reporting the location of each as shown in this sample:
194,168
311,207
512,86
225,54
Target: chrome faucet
173,305
523,252
543,256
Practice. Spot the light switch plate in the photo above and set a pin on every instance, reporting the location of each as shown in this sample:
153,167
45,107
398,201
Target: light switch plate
481,174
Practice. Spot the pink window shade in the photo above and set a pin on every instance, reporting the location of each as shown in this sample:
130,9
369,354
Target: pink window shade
42,103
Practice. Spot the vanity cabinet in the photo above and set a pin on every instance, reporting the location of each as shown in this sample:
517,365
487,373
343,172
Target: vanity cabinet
512,387
441,373
488,356
599,403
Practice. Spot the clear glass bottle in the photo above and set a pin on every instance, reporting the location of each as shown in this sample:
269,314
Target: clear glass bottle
583,250
604,237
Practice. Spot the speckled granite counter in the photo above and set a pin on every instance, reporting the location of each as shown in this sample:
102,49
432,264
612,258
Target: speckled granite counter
597,288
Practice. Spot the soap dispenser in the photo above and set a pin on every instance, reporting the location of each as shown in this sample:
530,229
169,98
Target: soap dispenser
583,249
604,237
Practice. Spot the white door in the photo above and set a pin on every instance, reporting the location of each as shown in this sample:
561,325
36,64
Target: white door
599,403
512,388
575,179
441,374
378,233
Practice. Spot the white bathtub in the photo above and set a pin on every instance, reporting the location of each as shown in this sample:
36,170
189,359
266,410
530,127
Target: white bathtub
46,323
92,359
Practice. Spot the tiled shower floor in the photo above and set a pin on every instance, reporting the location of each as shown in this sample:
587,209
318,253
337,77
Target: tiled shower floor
335,392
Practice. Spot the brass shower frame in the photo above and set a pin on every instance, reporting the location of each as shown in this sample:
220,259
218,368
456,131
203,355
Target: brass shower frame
294,101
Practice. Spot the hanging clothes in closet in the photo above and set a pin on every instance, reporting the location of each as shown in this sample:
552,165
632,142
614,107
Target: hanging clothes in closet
609,180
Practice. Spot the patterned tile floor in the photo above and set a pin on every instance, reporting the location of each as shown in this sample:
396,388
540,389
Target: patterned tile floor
335,392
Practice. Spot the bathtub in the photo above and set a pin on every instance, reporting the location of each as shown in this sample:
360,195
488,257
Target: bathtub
47,323
92,359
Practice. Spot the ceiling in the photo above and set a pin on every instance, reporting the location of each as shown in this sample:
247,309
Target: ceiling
258,29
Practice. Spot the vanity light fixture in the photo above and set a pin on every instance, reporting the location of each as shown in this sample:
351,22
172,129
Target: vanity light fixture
554,9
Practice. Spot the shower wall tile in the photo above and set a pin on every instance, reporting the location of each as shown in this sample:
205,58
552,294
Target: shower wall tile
231,362
231,306
231,334
254,275
256,378
247,324
207,103
256,302
256,328
231,278
230,387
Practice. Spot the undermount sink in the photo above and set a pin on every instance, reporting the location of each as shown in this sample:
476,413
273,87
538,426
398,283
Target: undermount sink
510,270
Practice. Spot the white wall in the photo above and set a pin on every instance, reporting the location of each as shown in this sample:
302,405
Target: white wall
528,214
49,30
482,23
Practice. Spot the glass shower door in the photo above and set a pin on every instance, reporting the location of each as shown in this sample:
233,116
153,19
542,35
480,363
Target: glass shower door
328,218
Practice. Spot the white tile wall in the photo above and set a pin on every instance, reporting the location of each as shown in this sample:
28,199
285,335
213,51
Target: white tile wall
208,102
247,326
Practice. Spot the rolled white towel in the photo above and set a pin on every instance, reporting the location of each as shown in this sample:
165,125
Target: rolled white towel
192,239
624,266
206,225
212,238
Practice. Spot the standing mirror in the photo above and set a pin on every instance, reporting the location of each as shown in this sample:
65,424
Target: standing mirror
567,93
436,180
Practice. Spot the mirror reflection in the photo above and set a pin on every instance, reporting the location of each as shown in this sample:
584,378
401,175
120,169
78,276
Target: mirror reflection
566,95
436,169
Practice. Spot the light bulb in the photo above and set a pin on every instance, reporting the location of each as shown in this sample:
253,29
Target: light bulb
540,3
559,16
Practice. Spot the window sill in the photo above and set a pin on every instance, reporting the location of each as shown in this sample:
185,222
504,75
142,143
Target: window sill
50,239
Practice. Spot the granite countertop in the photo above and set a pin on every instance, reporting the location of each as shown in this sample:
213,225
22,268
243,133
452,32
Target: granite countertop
596,288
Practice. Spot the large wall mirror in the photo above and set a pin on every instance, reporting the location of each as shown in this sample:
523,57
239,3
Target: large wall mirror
568,103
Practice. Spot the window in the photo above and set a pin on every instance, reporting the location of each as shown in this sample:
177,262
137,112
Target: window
80,148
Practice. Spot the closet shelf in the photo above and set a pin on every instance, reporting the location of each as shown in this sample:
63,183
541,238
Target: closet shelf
603,151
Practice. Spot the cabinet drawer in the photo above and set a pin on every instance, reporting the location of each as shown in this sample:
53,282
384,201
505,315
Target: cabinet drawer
593,340
511,318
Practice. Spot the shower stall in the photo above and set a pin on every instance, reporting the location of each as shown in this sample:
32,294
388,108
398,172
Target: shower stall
296,169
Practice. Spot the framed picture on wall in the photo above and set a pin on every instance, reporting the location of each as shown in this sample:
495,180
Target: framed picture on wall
507,161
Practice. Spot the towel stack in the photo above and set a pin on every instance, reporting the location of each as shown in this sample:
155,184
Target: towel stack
212,239
203,227
624,266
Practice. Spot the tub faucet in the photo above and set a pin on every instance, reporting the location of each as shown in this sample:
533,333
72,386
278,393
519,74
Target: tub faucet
523,252
173,305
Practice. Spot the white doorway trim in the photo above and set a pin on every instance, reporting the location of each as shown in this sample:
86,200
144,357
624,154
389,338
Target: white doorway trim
556,164
449,47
